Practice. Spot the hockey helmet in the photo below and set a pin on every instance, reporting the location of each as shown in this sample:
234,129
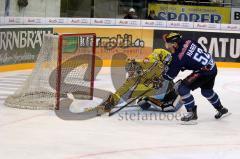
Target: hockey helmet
131,10
161,55
172,37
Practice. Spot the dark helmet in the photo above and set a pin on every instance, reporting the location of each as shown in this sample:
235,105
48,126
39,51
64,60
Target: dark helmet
173,37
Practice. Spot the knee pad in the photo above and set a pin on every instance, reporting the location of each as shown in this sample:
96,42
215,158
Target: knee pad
207,92
183,89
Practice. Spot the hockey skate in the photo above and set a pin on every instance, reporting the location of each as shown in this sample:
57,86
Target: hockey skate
102,108
190,116
222,112
106,106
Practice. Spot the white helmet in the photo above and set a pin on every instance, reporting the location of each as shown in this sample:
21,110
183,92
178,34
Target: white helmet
131,10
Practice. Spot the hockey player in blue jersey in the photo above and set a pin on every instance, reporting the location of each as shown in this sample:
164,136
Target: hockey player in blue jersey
189,55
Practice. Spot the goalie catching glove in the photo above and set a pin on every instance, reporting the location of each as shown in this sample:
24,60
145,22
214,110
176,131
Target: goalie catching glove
133,68
157,82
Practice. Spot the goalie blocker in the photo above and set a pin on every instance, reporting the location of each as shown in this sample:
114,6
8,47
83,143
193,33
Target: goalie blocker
170,103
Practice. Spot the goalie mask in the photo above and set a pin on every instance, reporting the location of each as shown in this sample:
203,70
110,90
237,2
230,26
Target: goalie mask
162,55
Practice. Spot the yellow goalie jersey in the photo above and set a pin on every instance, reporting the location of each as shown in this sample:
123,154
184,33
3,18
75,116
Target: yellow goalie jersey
142,76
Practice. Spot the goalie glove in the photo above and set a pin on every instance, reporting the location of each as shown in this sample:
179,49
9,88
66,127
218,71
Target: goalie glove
133,68
157,82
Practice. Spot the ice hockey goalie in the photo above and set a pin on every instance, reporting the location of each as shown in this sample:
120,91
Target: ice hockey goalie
146,75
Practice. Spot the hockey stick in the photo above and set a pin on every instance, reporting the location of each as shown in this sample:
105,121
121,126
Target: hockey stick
127,104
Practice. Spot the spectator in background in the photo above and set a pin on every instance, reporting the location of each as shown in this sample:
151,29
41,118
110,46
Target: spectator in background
7,7
203,2
131,14
216,2
152,15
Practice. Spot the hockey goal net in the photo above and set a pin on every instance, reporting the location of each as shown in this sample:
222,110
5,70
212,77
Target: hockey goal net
65,64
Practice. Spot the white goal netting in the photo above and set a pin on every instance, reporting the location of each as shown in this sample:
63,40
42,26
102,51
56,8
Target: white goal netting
65,64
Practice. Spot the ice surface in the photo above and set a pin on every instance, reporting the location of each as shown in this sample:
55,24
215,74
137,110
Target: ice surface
29,134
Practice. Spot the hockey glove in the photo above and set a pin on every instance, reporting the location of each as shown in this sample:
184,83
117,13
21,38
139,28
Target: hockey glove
133,68
157,82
